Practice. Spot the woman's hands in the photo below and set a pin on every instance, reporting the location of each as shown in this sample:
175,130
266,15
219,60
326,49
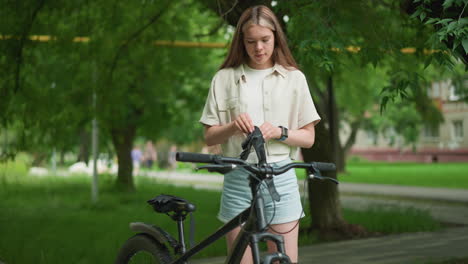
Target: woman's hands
244,124
303,137
269,131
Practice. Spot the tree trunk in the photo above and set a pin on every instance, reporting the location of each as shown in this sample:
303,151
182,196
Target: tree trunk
85,141
355,125
62,157
325,208
341,160
324,199
333,125
122,138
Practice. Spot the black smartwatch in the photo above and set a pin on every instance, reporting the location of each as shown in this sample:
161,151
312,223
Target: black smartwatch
284,133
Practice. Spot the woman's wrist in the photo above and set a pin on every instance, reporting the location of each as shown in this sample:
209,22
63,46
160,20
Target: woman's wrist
278,134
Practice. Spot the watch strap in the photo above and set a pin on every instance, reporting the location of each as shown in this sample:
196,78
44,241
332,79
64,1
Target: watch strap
284,133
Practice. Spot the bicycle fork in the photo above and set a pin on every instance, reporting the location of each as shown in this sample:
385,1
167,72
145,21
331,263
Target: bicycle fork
280,255
264,236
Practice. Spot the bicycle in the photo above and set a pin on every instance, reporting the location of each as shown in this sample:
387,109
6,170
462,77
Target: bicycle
154,241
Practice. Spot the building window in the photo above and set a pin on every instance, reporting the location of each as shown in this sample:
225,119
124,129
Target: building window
434,92
431,131
454,95
457,129
371,137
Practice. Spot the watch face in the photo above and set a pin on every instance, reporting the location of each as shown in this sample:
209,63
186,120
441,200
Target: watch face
284,133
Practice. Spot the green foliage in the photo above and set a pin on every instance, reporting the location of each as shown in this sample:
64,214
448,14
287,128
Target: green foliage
400,119
450,24
460,82
59,212
411,86
157,89
60,215
14,168
360,45
375,219
448,175
440,175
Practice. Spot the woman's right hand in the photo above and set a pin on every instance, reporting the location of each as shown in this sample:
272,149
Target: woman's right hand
244,124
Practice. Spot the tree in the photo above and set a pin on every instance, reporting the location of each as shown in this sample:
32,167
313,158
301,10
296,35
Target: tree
140,88
333,41
336,42
448,19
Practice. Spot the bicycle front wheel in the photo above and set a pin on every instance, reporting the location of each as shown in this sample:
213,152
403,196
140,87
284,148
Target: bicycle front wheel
142,248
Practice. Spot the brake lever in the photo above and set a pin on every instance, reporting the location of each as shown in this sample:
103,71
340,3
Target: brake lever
322,178
224,168
315,174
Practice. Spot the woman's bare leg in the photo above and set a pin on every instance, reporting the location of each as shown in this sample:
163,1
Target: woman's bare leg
231,238
290,239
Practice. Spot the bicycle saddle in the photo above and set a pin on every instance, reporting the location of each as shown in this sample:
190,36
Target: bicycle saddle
164,203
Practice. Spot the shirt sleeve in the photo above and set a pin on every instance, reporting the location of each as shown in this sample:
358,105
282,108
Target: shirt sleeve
210,115
307,111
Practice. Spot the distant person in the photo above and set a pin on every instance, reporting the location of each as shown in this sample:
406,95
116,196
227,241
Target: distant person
171,158
150,155
137,158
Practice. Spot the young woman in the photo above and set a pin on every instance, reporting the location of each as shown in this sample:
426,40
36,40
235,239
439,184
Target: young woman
259,84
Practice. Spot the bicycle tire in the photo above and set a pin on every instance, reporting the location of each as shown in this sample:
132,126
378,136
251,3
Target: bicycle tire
142,248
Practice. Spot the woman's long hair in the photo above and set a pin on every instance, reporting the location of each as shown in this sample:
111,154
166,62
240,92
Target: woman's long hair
262,16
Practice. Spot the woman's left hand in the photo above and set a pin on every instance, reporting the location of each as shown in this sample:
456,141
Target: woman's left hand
269,131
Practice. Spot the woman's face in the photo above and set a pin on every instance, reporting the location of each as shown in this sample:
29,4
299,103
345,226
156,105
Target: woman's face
259,43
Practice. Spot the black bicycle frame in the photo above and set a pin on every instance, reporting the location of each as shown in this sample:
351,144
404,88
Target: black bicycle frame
254,224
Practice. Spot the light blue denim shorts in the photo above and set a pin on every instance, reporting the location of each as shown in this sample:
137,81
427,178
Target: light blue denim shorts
237,196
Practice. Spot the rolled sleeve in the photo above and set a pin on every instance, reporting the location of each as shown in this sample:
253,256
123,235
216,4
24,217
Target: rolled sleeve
210,115
307,111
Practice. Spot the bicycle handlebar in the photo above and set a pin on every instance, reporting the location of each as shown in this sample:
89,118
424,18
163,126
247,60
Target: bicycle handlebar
217,159
195,157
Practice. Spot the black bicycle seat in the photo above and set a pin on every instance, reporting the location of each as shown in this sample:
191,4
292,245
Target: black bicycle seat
164,203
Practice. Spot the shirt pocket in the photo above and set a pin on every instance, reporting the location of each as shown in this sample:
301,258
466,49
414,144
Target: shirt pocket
228,109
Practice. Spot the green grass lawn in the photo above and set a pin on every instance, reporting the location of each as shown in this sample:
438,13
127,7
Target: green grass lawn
52,219
443,175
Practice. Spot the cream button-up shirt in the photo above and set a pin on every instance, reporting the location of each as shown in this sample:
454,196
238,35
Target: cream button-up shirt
286,102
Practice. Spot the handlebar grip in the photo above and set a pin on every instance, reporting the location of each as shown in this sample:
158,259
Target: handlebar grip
324,166
195,157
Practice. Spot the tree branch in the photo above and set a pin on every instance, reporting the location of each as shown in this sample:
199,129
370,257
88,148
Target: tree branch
352,137
24,36
134,36
233,11
224,15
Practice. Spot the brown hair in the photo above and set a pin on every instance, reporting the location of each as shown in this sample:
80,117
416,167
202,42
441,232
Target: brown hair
263,16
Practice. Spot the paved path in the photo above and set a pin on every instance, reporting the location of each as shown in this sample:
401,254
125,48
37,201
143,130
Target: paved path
425,193
446,205
406,248
215,181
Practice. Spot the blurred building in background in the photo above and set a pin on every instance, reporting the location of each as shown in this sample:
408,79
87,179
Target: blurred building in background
447,142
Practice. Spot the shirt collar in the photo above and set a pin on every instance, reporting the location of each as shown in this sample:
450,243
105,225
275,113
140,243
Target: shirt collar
239,72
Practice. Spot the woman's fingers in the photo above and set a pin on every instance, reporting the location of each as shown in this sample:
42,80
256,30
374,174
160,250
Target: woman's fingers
269,131
244,123
240,126
248,122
